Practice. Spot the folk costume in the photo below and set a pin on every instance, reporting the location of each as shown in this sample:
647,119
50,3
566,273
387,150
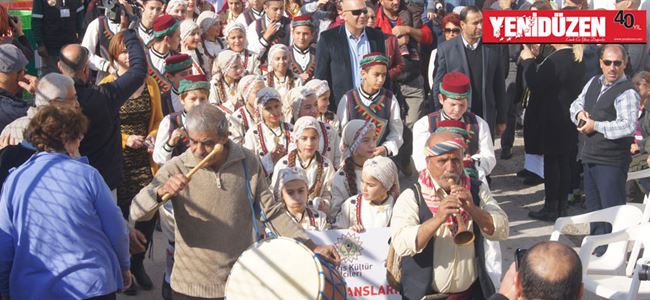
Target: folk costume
303,61
321,87
244,117
319,169
381,108
357,210
310,218
347,180
198,60
171,101
222,93
289,81
164,25
261,139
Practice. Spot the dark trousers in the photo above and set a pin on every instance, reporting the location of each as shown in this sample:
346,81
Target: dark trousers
604,187
508,136
557,182
178,296
111,296
146,227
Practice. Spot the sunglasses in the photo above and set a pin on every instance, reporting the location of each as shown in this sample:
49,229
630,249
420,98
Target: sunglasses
450,30
358,12
616,63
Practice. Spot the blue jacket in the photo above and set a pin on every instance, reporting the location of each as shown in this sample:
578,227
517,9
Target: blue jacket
62,235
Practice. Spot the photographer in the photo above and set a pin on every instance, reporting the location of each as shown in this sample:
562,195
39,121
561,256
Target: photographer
11,31
55,23
549,270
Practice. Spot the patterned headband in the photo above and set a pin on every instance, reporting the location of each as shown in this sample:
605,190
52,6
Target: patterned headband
356,139
454,95
371,60
444,147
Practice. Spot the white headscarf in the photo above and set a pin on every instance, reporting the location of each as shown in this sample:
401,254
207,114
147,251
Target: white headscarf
173,4
353,133
275,49
286,175
206,19
293,102
187,26
265,95
246,84
383,169
301,125
319,87
222,64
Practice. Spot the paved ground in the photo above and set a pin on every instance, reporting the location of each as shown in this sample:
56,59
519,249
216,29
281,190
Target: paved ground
514,197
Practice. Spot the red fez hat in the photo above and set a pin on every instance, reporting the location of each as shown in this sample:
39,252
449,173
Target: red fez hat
176,58
455,84
303,20
163,23
196,78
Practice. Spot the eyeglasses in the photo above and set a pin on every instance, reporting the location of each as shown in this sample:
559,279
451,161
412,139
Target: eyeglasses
608,62
358,12
450,30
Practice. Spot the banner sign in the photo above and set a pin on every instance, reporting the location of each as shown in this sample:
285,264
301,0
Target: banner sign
564,26
363,258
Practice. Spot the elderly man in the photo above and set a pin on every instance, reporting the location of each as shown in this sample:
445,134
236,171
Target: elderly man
606,114
454,92
548,270
12,79
213,214
53,88
341,49
426,219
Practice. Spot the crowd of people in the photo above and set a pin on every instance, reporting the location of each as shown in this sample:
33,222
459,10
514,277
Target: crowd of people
295,116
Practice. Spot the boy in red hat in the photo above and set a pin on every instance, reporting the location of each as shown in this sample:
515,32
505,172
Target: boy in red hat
454,92
166,38
177,67
372,102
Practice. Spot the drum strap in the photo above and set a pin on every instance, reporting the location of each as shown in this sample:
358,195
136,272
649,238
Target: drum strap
268,232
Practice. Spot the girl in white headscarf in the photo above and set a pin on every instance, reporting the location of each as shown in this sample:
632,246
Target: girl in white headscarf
303,153
322,90
357,143
302,101
190,43
177,9
245,116
373,206
292,190
210,27
235,36
279,75
271,136
227,71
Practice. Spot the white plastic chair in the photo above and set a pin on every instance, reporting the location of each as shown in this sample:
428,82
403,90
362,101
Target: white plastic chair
622,286
621,217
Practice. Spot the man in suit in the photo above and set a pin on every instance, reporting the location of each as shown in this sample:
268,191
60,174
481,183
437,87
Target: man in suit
483,63
340,68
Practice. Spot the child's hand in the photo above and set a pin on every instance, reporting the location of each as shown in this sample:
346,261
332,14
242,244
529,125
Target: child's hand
358,228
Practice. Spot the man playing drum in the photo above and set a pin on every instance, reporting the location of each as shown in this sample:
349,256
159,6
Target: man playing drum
214,211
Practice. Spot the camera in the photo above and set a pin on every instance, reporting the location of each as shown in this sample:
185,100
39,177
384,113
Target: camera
114,10
644,273
519,257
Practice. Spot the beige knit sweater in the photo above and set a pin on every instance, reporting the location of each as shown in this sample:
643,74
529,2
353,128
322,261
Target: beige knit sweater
213,219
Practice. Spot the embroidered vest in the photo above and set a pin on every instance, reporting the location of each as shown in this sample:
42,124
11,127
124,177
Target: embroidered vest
311,66
176,121
163,83
105,36
471,124
283,36
378,112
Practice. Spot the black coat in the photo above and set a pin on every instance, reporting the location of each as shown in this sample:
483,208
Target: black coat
451,58
101,104
554,84
333,60
11,108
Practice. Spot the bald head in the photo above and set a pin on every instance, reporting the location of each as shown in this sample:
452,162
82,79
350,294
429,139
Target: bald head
551,270
73,60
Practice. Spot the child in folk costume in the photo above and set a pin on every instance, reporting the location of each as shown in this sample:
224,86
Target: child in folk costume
292,190
210,27
271,136
235,36
372,102
228,71
245,116
177,67
322,90
279,75
190,44
373,206
300,102
177,9
171,139
303,153
357,145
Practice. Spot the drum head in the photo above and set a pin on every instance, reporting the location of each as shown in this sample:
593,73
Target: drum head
280,268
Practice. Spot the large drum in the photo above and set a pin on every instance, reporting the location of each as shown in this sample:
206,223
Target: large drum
283,268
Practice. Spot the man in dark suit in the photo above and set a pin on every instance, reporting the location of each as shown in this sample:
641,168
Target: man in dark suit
338,66
483,63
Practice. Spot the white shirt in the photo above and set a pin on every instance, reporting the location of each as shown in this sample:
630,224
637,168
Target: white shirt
301,59
333,153
311,170
320,221
252,142
254,43
160,154
372,215
91,42
238,121
468,45
282,85
486,161
157,60
394,138
241,19
146,35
